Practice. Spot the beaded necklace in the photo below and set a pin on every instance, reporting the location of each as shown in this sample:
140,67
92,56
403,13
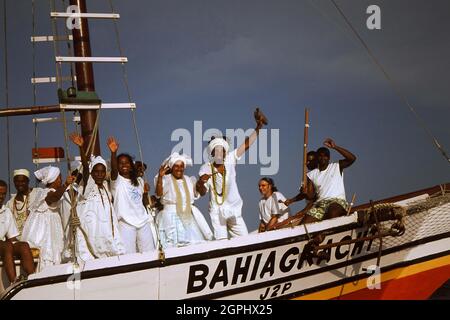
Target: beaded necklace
223,193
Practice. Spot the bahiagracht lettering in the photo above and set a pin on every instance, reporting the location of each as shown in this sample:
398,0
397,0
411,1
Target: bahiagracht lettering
257,266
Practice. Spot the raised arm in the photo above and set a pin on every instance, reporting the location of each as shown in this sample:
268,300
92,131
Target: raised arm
260,121
145,197
349,157
159,183
54,196
113,146
79,141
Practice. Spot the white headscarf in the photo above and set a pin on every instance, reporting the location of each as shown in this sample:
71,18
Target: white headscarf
218,142
21,172
96,160
75,165
175,157
47,174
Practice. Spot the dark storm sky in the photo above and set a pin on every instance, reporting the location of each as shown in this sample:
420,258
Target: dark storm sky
216,60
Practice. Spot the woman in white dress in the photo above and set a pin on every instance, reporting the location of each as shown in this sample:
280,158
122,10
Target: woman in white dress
43,227
180,223
272,209
130,201
101,237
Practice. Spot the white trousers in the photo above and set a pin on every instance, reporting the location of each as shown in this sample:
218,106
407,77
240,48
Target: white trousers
137,240
225,224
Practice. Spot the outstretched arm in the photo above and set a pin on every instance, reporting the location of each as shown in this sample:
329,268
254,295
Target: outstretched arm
113,146
298,197
349,157
200,185
260,121
78,140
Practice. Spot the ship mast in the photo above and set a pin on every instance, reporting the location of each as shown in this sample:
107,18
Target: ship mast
85,84
85,75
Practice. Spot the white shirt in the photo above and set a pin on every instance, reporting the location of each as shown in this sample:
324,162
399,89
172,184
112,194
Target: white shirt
232,197
328,183
8,226
170,196
128,201
20,209
270,207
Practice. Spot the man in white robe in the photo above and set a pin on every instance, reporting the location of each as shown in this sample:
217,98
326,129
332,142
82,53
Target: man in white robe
219,178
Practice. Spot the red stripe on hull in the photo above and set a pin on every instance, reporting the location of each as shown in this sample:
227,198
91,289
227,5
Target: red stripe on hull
419,286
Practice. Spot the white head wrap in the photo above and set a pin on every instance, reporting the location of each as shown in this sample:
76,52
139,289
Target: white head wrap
218,142
75,165
96,160
21,172
175,157
47,174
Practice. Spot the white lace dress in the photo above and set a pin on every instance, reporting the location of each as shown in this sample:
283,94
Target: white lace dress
98,219
43,229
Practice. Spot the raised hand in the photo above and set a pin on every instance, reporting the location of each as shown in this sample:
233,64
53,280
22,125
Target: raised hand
146,188
69,180
163,170
113,145
329,143
260,118
76,139
204,178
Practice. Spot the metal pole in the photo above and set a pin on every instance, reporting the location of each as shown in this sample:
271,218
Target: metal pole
85,75
305,148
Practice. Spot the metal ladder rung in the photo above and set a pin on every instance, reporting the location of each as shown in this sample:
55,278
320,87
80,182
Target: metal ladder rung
51,79
54,160
54,119
96,106
91,59
84,15
50,38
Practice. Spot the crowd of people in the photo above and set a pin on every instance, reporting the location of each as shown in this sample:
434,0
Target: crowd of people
101,212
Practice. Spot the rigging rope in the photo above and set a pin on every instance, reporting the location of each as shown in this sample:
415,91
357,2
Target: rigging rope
133,115
74,220
5,25
393,84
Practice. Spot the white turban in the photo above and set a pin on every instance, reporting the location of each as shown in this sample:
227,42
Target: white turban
96,160
218,142
175,157
47,174
75,165
21,172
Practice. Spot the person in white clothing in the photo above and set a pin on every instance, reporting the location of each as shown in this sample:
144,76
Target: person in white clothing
272,209
10,247
99,236
43,228
19,204
130,201
180,223
326,184
219,178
